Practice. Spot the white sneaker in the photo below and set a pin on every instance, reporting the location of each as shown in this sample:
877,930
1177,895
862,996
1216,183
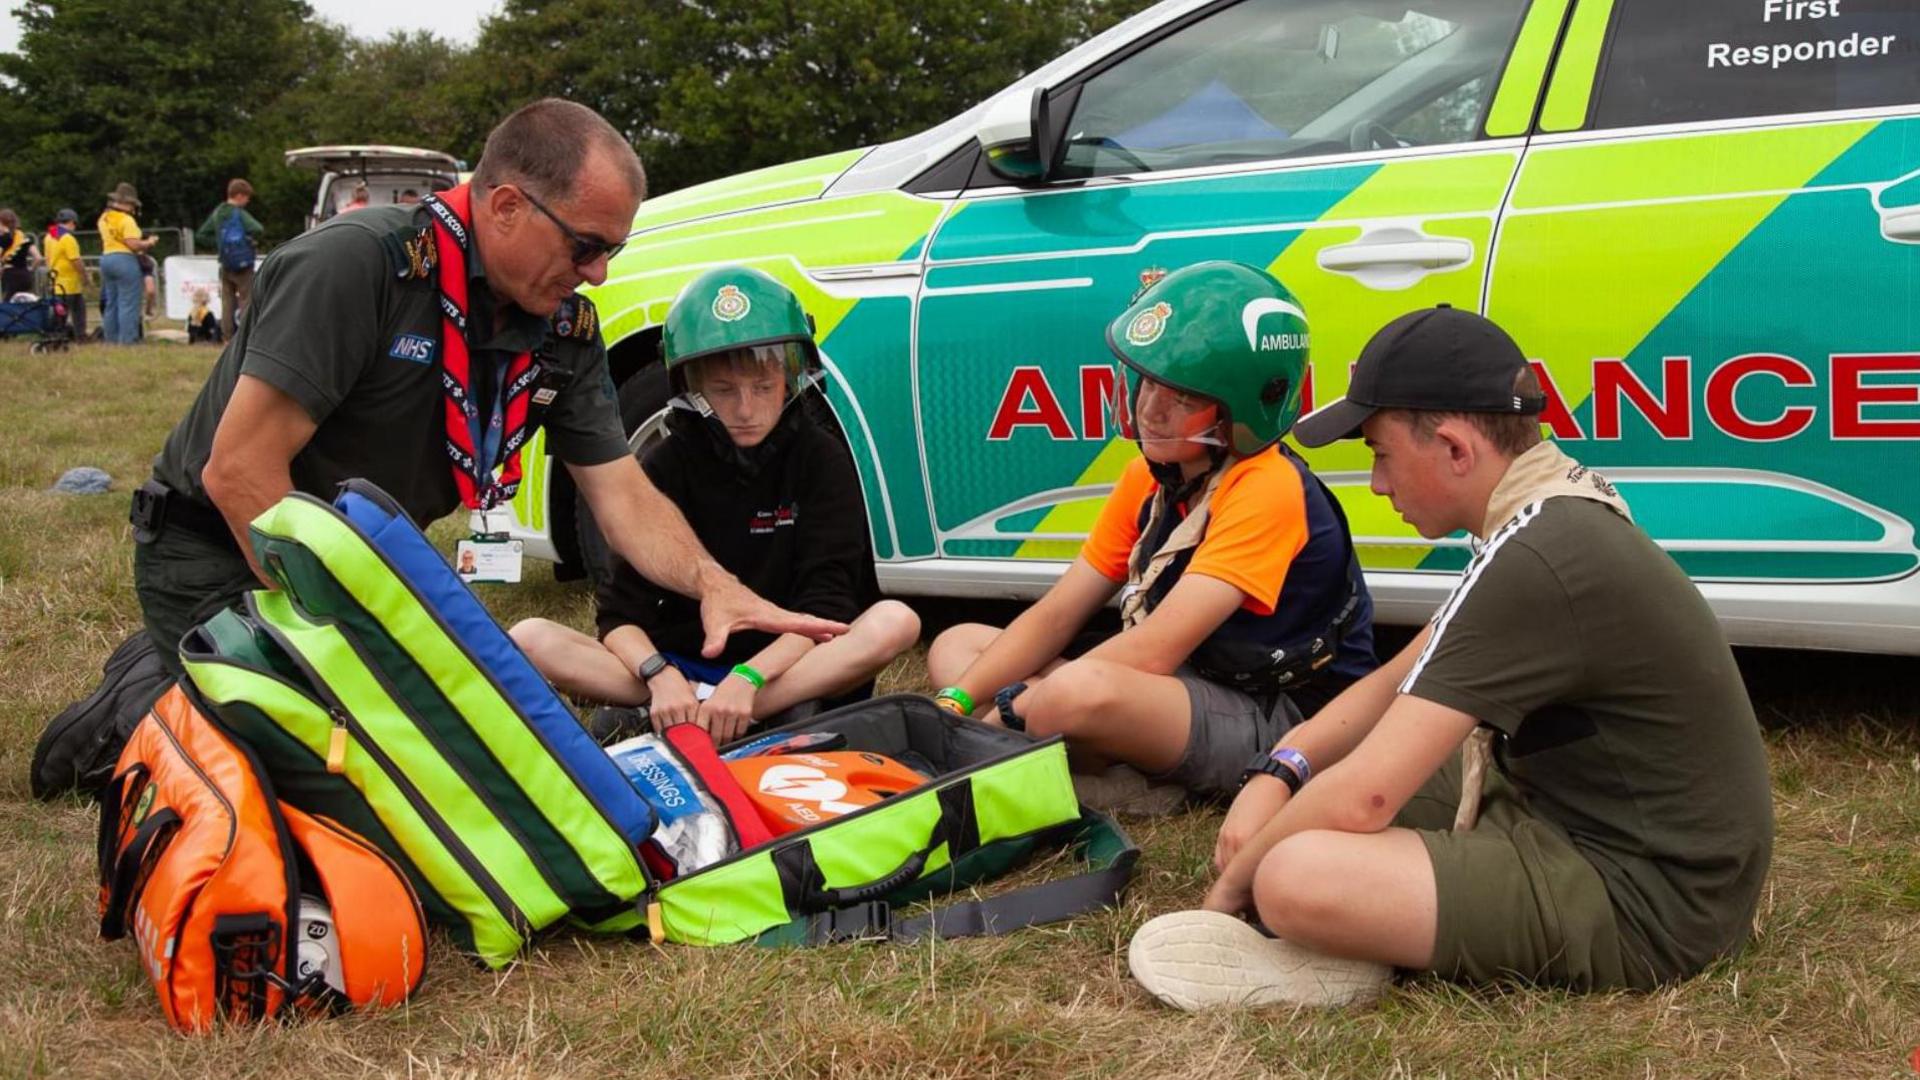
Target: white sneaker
1124,790
1196,960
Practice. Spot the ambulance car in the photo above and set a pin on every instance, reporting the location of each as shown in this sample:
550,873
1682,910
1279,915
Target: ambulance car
1701,220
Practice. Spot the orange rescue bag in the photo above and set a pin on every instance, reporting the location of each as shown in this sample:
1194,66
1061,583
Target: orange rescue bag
243,907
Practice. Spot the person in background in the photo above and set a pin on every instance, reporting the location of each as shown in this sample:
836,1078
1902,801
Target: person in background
201,325
149,289
121,242
18,256
66,274
361,199
234,235
409,197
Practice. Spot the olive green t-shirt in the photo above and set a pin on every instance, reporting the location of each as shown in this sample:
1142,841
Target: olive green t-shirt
339,324
1620,717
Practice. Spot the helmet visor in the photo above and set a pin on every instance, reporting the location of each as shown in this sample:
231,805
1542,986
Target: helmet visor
1155,413
752,374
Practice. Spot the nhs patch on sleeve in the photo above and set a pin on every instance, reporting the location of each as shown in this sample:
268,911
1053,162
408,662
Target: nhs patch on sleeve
415,347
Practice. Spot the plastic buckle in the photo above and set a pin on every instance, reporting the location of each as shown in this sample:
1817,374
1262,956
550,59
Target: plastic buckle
868,921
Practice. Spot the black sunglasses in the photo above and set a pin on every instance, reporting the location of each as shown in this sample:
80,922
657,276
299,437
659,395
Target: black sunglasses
585,249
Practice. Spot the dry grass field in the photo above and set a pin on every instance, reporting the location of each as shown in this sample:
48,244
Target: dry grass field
1830,986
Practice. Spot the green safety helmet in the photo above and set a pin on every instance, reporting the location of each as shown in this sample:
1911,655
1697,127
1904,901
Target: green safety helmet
736,307
1224,331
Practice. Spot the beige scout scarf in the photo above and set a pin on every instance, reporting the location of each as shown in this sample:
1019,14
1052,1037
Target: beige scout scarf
1188,534
1543,472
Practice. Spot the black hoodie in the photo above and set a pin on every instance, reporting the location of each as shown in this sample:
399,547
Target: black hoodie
785,517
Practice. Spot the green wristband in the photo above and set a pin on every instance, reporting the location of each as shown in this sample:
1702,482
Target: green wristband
746,672
958,697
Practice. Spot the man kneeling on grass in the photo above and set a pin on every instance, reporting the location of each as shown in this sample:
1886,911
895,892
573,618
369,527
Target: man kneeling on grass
1242,601
774,496
1623,837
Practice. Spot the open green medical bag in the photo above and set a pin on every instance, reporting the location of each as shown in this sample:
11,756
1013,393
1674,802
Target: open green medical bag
377,690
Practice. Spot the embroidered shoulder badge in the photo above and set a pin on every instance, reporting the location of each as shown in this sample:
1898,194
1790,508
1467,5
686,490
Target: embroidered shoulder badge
1146,327
576,318
730,304
421,254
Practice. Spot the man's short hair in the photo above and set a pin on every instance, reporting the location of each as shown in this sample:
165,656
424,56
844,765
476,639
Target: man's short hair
543,147
1512,434
237,187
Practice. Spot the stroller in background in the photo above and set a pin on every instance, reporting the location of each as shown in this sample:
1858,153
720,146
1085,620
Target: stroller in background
45,316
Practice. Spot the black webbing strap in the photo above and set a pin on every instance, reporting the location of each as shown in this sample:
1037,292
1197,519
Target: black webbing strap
1095,840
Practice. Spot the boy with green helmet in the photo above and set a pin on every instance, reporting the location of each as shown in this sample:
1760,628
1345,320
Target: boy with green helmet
1241,600
772,494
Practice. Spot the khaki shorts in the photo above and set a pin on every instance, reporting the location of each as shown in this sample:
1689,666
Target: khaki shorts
1516,899
1227,730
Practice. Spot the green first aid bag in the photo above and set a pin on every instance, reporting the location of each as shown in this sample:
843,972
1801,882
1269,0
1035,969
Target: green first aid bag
996,799
378,691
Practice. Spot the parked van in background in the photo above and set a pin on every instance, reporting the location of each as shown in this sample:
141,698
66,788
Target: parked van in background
388,172
1702,221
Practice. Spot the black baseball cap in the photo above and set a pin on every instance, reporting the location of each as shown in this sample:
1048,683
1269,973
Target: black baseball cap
1438,359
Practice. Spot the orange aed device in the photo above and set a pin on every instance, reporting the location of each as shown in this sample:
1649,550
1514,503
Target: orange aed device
793,791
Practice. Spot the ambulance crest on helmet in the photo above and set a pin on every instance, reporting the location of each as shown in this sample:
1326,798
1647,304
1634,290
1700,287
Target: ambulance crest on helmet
1146,327
730,304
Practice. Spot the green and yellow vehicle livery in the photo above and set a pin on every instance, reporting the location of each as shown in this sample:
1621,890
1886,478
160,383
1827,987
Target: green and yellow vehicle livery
1726,314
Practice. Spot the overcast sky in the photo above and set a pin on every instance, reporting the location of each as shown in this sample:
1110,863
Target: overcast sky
457,20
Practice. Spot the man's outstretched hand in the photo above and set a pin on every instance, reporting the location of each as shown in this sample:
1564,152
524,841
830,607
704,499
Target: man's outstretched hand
733,607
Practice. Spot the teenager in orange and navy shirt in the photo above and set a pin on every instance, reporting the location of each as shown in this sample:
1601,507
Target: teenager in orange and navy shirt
1241,600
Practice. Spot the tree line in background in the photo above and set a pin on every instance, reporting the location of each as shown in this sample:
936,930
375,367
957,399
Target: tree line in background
178,96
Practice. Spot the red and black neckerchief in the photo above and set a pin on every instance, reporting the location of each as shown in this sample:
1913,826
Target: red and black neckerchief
473,447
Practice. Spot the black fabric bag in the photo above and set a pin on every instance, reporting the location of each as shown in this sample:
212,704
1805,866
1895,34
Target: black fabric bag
78,750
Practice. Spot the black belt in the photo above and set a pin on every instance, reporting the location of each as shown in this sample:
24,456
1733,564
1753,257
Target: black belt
156,508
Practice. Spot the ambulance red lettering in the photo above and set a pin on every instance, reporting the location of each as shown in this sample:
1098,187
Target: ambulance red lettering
1671,414
1723,411
1558,418
1097,390
1029,383
1851,395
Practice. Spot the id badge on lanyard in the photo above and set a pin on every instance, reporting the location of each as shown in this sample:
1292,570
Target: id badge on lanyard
489,555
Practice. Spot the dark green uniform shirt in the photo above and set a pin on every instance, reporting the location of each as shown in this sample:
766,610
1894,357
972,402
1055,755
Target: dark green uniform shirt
339,324
1621,720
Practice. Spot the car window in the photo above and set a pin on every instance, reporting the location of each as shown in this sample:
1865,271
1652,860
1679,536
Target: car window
1670,63
1287,78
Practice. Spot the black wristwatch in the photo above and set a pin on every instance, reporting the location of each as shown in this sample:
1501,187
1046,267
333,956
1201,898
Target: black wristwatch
652,665
1003,701
1267,765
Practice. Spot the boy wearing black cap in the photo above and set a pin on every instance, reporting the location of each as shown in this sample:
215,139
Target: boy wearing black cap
1624,835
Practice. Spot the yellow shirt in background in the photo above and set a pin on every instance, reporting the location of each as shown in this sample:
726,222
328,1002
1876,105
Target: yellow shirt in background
63,262
116,228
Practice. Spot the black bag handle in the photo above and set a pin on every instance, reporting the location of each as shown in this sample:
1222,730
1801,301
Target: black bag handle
129,871
112,798
805,885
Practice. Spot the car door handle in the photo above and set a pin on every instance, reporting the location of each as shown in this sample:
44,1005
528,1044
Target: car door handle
1901,224
1396,256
